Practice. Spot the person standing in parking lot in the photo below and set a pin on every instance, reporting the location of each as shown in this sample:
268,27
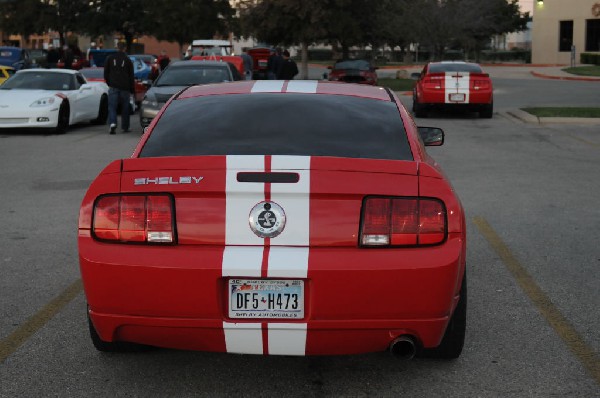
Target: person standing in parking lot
163,60
118,74
274,64
289,69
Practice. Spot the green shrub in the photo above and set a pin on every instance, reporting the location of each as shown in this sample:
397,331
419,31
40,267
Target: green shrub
590,58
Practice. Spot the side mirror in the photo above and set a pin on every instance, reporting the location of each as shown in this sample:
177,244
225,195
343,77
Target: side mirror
415,76
431,136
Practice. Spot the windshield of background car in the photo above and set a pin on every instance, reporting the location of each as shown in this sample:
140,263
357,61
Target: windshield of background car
40,81
190,75
440,68
93,73
352,64
280,124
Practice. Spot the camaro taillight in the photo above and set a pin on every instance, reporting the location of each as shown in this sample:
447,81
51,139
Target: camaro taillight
402,222
134,218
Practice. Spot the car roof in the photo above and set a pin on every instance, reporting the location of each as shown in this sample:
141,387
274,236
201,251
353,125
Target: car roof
218,43
54,70
198,62
292,86
454,62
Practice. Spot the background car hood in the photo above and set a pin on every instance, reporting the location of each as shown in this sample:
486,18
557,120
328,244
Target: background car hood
17,96
165,90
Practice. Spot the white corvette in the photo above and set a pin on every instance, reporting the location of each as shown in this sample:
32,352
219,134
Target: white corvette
51,98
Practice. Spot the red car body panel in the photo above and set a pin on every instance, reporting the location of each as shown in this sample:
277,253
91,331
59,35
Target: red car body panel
356,299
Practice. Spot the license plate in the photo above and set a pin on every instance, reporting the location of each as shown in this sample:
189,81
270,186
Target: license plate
457,97
266,298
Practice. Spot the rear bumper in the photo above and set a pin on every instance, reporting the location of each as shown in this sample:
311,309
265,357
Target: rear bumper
357,300
439,98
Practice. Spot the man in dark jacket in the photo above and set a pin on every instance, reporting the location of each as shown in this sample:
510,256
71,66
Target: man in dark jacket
289,69
118,74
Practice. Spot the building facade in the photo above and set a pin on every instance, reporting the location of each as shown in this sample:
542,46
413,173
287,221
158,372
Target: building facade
563,29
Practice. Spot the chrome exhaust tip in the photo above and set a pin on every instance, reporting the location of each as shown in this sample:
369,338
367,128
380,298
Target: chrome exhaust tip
403,348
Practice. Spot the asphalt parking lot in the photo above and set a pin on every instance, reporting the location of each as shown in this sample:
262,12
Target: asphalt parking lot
530,192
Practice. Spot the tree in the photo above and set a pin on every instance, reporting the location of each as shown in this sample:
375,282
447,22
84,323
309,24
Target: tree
63,15
103,17
188,19
22,17
286,22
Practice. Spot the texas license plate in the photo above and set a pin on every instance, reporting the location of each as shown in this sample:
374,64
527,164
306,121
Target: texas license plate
266,298
457,97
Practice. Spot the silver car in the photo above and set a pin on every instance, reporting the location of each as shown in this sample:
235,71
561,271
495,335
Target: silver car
179,75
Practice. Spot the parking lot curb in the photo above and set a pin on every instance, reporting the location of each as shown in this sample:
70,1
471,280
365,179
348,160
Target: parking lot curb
526,117
576,78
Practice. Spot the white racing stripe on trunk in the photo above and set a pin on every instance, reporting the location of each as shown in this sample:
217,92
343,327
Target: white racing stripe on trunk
242,261
302,86
295,200
267,86
287,338
288,254
243,338
288,262
457,85
239,259
240,199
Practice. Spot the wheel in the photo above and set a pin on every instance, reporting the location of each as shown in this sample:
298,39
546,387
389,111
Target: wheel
63,119
102,111
116,346
454,337
418,109
488,111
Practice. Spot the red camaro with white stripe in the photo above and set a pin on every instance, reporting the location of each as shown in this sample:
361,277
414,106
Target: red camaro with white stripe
453,84
277,218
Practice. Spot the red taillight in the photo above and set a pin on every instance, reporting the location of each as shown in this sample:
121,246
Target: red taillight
134,218
403,222
479,84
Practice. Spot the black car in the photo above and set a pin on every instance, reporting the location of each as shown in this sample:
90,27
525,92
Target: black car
179,75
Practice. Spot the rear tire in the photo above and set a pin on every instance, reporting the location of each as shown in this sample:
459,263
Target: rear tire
115,346
419,109
487,112
63,119
102,111
454,337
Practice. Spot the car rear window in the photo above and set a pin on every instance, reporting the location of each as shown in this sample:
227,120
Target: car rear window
190,75
280,124
437,68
